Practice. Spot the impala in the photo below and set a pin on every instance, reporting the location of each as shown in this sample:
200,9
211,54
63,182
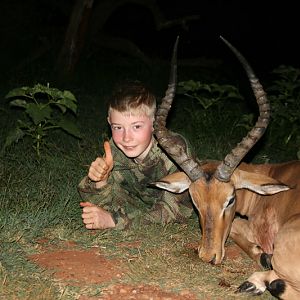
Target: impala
265,196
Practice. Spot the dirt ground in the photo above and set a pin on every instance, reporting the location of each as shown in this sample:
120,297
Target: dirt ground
77,267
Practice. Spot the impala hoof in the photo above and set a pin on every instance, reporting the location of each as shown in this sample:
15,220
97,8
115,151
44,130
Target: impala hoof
248,287
276,287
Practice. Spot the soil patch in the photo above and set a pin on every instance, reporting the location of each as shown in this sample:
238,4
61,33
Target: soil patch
78,267
140,292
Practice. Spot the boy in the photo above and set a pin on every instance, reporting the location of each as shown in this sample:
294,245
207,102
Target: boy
116,190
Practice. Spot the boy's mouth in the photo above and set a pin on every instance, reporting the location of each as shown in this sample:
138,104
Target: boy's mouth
129,147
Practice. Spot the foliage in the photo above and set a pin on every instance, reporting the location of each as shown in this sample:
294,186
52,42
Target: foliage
208,94
44,109
284,95
214,111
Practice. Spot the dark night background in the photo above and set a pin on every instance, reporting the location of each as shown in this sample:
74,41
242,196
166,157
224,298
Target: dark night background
265,32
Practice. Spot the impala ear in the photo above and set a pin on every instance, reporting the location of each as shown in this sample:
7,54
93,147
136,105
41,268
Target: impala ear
176,183
258,183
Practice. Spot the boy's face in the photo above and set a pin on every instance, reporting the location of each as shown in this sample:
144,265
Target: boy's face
131,133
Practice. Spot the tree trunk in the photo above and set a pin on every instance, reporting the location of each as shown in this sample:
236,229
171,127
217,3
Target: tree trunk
74,38
77,31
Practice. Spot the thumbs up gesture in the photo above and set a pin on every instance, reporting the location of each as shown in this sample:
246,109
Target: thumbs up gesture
101,167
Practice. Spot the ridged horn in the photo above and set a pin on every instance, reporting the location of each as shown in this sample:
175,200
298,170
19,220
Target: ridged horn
172,143
232,160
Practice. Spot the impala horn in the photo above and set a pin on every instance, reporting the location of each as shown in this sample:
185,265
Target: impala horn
232,160
171,142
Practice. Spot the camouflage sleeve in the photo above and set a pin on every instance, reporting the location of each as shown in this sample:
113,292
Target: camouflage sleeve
88,191
103,198
171,208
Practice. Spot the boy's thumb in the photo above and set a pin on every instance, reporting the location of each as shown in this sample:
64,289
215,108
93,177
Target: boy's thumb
108,155
86,204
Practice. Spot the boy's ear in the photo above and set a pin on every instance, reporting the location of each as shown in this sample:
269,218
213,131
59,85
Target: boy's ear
153,120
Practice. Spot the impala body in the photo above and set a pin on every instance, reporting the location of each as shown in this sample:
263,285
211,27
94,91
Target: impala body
266,198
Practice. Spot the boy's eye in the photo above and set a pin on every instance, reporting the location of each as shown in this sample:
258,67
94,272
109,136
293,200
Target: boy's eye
137,126
116,127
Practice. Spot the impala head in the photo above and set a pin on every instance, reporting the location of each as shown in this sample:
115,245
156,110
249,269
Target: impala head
212,186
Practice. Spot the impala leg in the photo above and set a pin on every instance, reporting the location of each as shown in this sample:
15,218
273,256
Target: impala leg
286,260
242,235
258,282
283,282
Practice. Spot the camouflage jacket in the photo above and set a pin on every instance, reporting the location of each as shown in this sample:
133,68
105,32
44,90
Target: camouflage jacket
128,195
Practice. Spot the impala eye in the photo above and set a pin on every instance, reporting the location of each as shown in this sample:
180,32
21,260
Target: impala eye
229,202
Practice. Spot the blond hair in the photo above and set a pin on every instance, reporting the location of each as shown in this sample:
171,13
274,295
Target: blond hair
133,98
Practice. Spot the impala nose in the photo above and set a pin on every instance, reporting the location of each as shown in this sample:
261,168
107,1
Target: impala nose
213,261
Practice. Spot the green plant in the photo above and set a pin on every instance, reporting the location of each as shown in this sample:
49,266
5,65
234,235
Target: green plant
44,109
213,111
208,94
284,95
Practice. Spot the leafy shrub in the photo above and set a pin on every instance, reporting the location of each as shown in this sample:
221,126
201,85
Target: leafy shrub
44,109
209,118
284,95
208,94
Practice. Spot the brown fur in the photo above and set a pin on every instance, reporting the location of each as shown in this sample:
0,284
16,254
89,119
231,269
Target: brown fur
270,221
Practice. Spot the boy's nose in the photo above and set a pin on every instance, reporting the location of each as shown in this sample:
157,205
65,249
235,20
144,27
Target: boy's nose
127,136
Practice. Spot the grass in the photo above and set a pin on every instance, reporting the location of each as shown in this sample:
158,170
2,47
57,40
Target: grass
38,200
162,258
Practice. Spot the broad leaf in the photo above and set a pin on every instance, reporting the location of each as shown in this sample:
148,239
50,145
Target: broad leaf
18,92
69,95
68,103
18,103
13,137
24,124
60,106
38,112
70,127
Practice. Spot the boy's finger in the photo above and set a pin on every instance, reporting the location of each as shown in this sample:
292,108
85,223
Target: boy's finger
108,155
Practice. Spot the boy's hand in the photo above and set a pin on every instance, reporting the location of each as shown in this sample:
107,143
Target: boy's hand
95,217
101,167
